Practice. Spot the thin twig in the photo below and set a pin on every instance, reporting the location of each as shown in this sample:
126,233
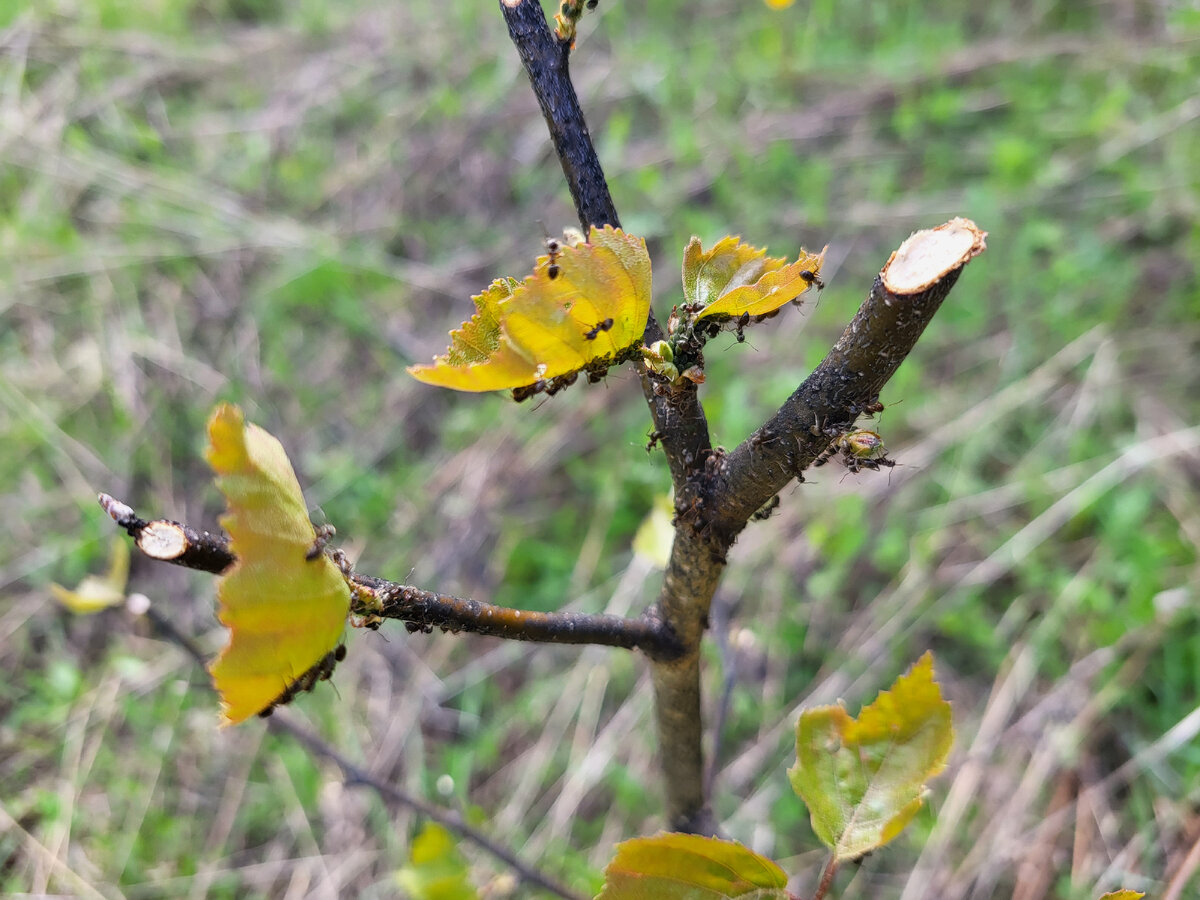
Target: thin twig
355,775
169,541
420,610
831,868
427,609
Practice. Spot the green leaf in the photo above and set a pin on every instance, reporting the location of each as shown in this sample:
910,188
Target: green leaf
690,867
863,779
436,870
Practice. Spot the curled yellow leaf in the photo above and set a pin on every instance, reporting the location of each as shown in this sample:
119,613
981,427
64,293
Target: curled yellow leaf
732,279
584,309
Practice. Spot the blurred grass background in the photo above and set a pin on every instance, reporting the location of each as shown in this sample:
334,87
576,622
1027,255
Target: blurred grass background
282,204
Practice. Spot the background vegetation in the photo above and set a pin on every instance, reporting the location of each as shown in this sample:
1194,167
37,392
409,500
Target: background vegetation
282,204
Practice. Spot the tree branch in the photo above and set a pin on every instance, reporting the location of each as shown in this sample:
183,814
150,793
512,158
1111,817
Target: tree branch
715,506
172,542
425,610
680,423
677,415
908,291
420,610
546,59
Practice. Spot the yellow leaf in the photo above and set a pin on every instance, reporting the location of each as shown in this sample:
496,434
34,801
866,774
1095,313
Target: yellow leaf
591,314
733,278
97,592
864,779
437,870
286,612
690,867
655,535
1123,895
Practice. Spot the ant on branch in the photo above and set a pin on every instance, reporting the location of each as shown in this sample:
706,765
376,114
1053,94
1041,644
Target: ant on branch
321,539
742,322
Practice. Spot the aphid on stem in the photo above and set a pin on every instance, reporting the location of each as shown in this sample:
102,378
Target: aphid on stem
859,450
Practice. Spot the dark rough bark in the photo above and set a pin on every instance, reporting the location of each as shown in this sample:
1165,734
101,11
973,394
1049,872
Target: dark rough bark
424,610
849,379
546,60
716,494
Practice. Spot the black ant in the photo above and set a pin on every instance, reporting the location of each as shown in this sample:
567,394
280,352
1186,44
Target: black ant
811,278
553,247
742,322
592,333
655,437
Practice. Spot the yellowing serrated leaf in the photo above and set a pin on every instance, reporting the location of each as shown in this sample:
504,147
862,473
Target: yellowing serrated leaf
734,278
863,779
478,356
679,866
97,592
1123,895
594,310
436,870
285,612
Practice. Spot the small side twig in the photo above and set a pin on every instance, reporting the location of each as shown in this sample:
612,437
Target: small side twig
424,610
420,610
356,775
172,542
